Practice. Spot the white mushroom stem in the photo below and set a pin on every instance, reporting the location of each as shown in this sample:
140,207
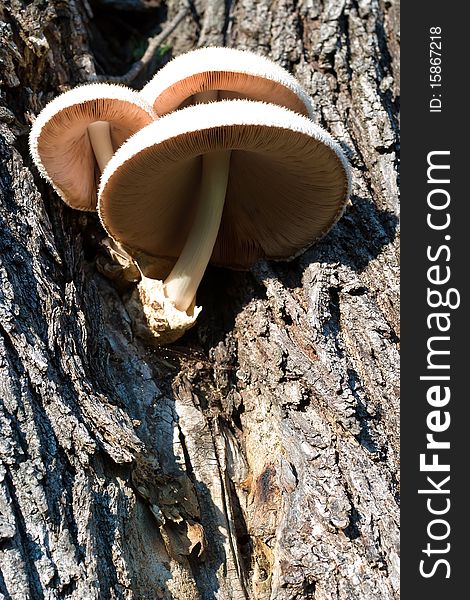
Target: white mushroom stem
182,283
100,139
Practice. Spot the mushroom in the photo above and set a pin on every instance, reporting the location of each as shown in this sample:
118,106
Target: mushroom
232,182
76,134
208,74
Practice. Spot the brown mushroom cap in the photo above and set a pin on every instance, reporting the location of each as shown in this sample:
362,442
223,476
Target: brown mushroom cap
59,141
235,73
288,182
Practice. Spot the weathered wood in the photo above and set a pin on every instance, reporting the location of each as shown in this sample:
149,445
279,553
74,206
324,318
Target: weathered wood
258,458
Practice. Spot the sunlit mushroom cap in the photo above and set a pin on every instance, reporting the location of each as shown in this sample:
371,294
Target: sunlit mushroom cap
288,182
59,141
236,73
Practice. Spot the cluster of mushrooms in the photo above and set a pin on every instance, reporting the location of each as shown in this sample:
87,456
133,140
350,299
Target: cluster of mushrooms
217,159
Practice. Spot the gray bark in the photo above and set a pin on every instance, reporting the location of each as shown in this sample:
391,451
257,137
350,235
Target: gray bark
258,457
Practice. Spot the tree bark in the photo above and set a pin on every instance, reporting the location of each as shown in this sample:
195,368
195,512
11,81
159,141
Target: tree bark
258,457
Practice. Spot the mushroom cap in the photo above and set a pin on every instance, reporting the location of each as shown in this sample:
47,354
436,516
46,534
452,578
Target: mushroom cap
288,182
235,73
59,141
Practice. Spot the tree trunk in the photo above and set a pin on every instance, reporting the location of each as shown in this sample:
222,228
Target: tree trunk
257,458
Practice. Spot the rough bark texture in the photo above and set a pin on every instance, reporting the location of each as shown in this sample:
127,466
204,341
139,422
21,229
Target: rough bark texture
256,459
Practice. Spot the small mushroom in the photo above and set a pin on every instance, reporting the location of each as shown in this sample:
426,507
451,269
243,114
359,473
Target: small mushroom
76,134
231,182
208,74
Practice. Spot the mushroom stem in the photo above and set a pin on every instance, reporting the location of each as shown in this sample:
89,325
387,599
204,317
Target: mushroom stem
182,283
100,139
